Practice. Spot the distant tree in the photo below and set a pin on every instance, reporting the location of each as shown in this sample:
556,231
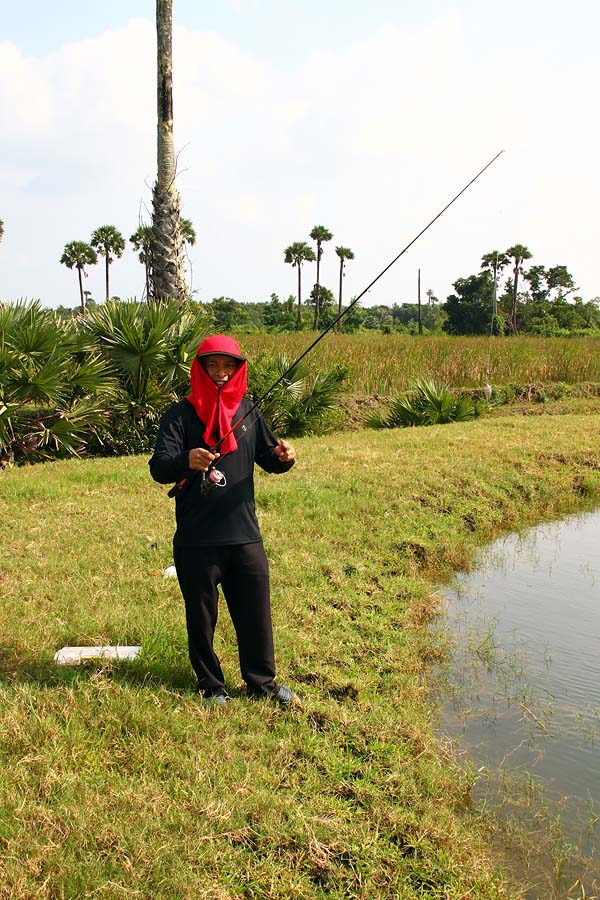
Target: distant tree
495,261
106,240
76,255
188,232
188,238
326,301
320,234
344,253
354,320
167,252
469,310
518,253
1,229
279,314
431,298
406,317
559,279
295,255
543,281
229,314
142,244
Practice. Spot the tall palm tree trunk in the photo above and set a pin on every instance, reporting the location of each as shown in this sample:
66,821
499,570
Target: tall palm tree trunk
148,285
107,287
167,249
515,293
316,319
299,321
82,298
339,324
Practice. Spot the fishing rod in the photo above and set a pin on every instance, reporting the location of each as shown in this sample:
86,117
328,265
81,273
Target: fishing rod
213,476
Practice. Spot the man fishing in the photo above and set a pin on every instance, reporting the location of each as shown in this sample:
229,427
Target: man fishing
218,541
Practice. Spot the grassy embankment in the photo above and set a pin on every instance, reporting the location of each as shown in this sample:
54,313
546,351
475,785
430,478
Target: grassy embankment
117,782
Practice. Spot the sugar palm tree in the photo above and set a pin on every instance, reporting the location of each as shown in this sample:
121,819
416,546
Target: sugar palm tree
167,250
518,254
343,253
495,262
320,234
106,240
296,254
76,255
188,238
142,244
188,232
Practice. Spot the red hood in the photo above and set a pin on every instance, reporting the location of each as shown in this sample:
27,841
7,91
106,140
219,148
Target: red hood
217,416
220,343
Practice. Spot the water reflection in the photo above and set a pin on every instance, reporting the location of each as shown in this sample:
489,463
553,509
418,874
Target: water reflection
524,697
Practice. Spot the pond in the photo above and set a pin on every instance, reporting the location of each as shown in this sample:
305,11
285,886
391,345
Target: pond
522,697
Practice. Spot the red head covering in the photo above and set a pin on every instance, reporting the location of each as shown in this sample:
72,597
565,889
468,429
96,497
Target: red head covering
205,393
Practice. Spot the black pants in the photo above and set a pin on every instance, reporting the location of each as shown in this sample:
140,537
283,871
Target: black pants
243,573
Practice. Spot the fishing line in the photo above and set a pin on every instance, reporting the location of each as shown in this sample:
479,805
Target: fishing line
325,331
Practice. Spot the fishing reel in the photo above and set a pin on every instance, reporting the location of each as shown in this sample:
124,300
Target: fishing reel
210,480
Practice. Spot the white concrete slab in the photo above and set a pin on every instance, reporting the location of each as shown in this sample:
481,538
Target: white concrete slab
72,656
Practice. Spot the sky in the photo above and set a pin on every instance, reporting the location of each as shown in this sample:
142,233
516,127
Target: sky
366,118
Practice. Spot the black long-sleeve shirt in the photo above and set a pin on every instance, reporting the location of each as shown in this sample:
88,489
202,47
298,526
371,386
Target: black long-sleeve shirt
225,515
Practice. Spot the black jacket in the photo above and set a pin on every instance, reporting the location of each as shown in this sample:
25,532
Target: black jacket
225,515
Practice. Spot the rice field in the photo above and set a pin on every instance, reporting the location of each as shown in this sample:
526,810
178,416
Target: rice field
386,363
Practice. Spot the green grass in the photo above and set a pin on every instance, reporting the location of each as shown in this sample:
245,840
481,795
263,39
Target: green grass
388,363
116,782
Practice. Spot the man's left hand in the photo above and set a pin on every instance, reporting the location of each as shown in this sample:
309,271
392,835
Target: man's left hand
285,452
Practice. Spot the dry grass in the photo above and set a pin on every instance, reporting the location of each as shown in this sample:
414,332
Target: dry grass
388,363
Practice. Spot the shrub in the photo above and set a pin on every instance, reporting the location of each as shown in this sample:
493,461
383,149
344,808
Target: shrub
54,388
301,403
430,404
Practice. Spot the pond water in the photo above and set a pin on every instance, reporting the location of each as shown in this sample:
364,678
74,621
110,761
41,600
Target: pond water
523,694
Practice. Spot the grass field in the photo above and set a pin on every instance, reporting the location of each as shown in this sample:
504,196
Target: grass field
116,782
388,363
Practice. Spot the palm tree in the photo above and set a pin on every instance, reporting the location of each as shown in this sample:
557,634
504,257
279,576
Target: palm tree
344,253
106,240
320,234
78,254
188,232
495,261
296,254
518,253
167,251
1,229
188,237
142,244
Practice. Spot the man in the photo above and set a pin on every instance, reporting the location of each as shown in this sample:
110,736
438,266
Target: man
217,541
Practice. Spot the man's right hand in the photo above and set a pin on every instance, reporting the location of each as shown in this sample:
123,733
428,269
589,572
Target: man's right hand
200,459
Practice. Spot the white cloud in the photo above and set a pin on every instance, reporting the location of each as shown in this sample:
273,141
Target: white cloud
371,140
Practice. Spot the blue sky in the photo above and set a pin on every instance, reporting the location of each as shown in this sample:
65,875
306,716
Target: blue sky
362,117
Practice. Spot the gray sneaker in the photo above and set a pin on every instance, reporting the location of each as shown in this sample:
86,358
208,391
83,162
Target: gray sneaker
216,701
286,696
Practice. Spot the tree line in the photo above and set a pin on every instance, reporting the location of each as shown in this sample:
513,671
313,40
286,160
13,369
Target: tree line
534,299
108,242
